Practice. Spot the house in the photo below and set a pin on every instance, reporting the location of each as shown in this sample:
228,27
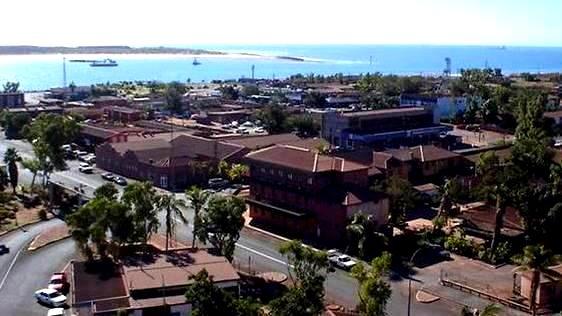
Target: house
549,290
478,220
170,164
304,194
420,163
107,100
123,114
141,286
352,130
34,111
11,100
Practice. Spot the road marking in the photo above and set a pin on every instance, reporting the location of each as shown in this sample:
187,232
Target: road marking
76,180
10,267
263,255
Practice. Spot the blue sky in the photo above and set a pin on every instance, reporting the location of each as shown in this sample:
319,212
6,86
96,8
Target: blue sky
185,22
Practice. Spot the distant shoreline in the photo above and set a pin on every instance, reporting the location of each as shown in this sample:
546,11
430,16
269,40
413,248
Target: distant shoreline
91,50
126,50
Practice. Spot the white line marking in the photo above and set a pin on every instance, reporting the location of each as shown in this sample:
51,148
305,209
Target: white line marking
10,267
263,255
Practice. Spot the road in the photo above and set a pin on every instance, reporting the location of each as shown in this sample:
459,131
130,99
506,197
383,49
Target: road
23,272
255,249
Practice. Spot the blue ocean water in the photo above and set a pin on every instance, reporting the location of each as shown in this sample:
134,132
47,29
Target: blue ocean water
38,72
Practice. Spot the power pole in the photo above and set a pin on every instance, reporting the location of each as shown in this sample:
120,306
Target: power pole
64,72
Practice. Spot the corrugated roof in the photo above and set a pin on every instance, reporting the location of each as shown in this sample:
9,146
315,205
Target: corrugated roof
303,159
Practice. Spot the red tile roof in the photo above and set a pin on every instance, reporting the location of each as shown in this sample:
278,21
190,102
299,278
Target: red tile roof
303,159
259,142
423,153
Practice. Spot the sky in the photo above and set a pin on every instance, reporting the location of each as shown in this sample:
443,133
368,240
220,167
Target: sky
216,22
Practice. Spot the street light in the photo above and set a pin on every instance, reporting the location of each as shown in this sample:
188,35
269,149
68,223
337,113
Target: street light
410,281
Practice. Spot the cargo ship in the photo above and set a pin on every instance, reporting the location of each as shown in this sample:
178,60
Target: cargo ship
104,63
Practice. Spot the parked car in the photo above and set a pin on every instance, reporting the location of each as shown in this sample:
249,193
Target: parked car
85,168
217,183
107,176
59,311
4,249
340,260
91,159
50,297
58,282
119,180
80,154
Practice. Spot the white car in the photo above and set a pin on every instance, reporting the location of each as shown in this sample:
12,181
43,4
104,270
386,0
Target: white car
340,260
50,297
59,311
85,168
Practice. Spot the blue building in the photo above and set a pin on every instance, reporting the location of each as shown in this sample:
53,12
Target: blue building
397,126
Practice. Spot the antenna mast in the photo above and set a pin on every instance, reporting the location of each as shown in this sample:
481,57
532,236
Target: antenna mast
64,72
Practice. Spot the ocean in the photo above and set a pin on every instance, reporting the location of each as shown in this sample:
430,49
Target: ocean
39,72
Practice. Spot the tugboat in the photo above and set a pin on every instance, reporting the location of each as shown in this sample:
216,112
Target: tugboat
104,63
196,62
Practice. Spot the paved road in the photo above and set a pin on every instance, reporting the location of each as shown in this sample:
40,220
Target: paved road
23,272
256,248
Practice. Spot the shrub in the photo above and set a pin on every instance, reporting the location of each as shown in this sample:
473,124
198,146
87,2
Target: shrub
458,244
42,214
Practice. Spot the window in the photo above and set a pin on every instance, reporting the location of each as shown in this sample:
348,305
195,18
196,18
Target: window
280,173
290,176
309,181
164,181
272,171
262,170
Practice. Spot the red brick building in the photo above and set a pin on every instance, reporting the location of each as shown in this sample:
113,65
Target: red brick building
308,195
170,164
123,114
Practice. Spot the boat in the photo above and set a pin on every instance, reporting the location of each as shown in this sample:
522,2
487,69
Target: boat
104,63
196,62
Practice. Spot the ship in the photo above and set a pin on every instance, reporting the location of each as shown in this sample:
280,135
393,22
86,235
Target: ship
104,63
196,62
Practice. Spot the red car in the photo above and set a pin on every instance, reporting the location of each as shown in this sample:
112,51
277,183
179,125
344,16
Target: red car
58,281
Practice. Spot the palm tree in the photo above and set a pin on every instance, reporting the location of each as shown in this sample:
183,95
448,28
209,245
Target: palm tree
141,198
446,204
34,166
535,259
174,210
197,198
500,213
11,157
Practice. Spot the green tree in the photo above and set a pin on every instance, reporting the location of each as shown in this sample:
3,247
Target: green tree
535,259
210,300
95,219
14,124
141,198
47,133
374,291
197,199
107,190
249,90
402,198
229,92
11,158
305,126
310,268
11,87
274,119
221,223
174,96
34,166
362,236
237,172
314,100
174,209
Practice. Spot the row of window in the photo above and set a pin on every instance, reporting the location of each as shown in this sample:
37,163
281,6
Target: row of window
281,173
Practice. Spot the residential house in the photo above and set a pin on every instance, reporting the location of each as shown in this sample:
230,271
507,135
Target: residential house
304,194
549,292
123,114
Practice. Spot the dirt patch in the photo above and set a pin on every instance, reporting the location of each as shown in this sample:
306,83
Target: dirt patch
23,216
47,237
